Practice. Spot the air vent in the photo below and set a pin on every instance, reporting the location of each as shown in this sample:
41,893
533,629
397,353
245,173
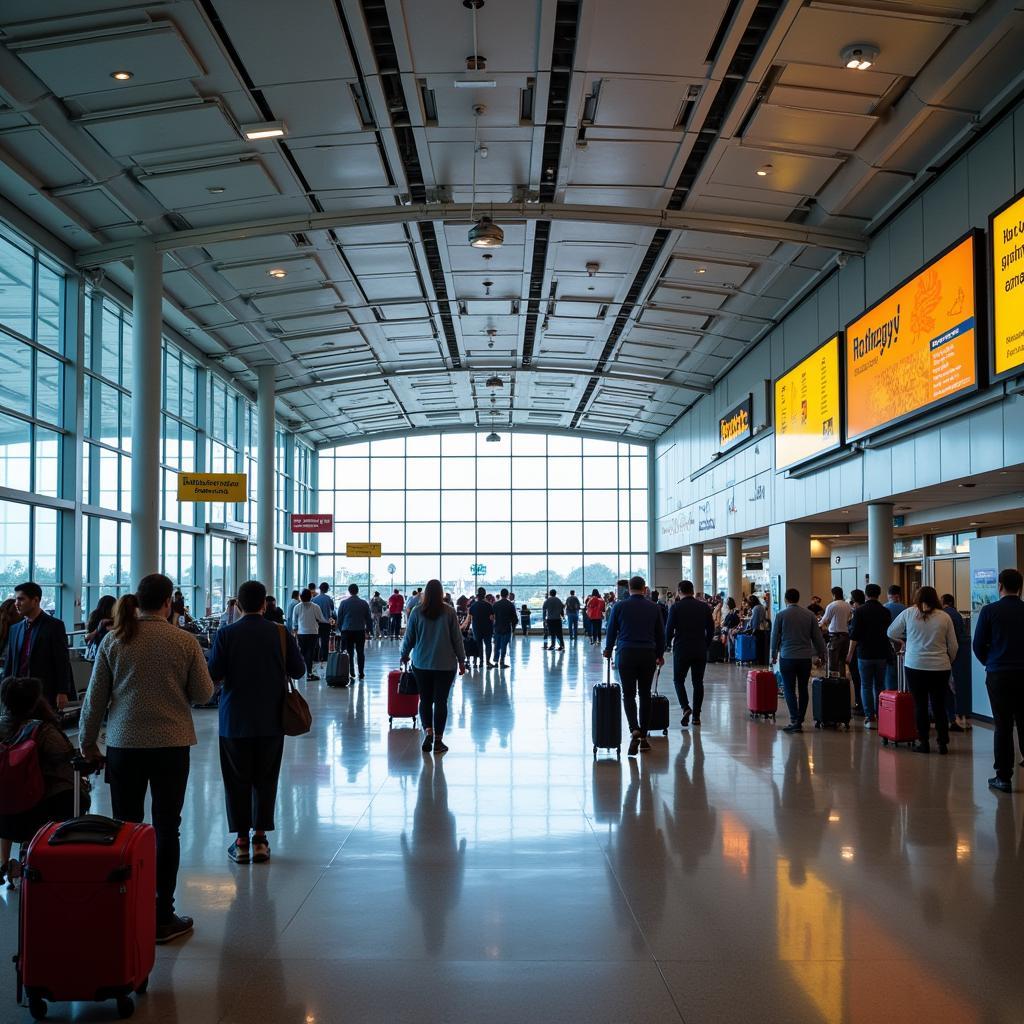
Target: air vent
362,104
527,98
723,28
301,240
429,102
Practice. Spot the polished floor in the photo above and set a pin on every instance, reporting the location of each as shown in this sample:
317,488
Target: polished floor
732,874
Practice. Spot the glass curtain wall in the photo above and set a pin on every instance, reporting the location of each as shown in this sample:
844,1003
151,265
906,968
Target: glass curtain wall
530,512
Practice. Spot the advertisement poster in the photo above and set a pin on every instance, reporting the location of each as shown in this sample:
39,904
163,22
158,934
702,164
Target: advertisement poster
1006,236
984,589
806,407
737,424
916,347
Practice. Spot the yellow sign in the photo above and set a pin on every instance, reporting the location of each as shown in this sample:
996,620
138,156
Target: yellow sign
1007,239
230,487
806,407
736,425
916,347
367,550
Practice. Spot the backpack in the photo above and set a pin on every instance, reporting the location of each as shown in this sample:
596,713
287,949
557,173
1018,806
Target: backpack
22,785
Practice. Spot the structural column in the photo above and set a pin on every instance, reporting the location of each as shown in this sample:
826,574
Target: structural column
147,295
266,451
789,554
880,567
734,567
697,567
714,574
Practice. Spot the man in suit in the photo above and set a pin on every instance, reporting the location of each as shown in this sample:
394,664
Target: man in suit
38,646
689,631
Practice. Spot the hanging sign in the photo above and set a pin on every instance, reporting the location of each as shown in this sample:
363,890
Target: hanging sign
303,522
230,487
362,550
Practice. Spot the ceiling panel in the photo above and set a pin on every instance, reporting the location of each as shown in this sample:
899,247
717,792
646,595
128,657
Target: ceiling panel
641,102
380,259
791,173
812,129
150,131
292,302
210,184
299,270
353,166
636,163
314,108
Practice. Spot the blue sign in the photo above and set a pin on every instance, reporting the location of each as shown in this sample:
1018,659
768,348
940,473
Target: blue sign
392,568
478,569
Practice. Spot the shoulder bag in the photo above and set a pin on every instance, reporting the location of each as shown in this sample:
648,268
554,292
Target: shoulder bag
296,718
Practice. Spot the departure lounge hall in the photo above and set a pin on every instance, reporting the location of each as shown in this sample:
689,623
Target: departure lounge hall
512,510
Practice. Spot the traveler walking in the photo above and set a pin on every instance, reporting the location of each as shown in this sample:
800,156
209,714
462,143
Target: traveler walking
146,676
433,642
230,613
637,635
273,612
481,617
836,621
999,646
253,658
354,623
37,646
553,611
325,603
930,651
395,605
871,649
795,641
595,615
290,607
757,627
572,615
690,629
505,622
377,609
816,607
306,622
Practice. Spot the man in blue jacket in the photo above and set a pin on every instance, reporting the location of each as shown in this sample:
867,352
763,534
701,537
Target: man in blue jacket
354,624
691,628
999,646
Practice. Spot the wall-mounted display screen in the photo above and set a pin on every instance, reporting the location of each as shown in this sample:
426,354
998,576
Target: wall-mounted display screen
806,409
1006,241
736,425
915,348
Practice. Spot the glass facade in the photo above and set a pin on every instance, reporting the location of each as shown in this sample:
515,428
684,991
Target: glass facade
530,512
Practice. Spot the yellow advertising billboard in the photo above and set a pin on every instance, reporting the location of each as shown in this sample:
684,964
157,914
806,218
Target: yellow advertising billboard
1006,238
369,549
230,487
806,409
917,347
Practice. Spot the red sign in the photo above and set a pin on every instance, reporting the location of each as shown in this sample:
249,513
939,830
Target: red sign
314,523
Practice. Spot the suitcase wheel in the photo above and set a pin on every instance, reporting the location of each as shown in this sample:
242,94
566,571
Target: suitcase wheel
144,987
595,751
37,1007
665,733
391,721
125,1006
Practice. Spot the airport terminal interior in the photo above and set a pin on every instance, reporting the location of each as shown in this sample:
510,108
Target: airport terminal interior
543,296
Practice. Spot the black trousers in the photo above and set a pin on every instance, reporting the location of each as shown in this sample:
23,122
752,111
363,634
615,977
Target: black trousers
308,644
595,630
1006,694
395,625
555,632
696,667
796,672
928,686
353,642
486,642
636,673
324,645
164,772
251,767
434,685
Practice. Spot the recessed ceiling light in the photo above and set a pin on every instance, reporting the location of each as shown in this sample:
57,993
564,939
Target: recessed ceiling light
122,76
215,190
277,272
264,130
859,56
701,270
764,171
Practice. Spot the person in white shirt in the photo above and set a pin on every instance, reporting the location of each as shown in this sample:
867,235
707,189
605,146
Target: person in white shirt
836,622
305,622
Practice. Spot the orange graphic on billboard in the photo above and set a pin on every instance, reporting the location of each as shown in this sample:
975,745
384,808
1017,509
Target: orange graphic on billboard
915,347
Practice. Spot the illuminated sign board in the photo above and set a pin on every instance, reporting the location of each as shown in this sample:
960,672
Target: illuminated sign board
736,425
807,410
1006,242
231,487
917,347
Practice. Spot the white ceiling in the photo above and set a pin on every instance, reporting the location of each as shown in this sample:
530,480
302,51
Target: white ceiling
655,105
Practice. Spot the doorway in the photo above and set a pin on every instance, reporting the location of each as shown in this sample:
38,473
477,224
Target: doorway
952,576
226,557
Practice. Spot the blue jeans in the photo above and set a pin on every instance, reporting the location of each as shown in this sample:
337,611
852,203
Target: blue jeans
795,672
501,642
872,682
574,624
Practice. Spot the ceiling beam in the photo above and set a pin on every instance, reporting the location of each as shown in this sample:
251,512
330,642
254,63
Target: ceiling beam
683,220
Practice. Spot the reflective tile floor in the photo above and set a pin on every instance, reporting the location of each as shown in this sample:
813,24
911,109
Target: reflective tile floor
733,874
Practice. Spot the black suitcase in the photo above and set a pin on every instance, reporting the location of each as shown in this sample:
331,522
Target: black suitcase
716,652
472,646
337,672
659,709
830,701
606,721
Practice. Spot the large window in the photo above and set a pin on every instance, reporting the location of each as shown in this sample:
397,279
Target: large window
530,511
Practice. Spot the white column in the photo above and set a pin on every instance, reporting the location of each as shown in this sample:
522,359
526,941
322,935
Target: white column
714,574
734,567
147,294
789,556
697,567
880,545
266,451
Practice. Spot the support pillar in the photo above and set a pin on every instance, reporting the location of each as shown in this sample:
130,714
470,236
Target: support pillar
789,554
266,452
697,567
880,567
734,567
147,321
714,574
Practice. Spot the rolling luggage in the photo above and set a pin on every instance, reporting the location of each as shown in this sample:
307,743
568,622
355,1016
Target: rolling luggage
716,652
762,694
606,712
337,671
896,711
746,648
472,646
830,696
659,709
87,925
401,705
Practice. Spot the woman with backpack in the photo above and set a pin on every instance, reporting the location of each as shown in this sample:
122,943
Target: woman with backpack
26,719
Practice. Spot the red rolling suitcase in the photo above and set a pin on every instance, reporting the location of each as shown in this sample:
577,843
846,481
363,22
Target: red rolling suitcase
896,711
88,913
762,694
659,709
401,705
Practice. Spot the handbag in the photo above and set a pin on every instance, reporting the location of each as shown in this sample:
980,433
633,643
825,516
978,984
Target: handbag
296,718
407,683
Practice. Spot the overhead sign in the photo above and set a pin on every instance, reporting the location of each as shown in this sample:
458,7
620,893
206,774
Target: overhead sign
917,347
362,550
303,522
1006,238
737,424
806,408
230,487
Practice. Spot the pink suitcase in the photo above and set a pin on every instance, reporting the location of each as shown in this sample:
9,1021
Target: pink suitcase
401,705
896,722
762,694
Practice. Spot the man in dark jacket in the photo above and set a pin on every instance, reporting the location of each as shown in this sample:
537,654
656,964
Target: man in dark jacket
690,629
38,646
553,611
481,615
354,624
572,614
999,646
505,621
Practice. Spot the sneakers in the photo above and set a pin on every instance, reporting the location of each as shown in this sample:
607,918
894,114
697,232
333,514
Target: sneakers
1002,785
428,742
685,720
439,747
634,744
793,727
696,719
239,854
868,723
173,928
260,850
644,745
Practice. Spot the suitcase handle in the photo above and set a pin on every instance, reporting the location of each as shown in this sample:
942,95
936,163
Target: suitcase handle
91,830
657,676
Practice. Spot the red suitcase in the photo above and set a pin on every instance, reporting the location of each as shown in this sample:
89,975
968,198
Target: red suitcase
401,705
88,913
762,694
896,711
